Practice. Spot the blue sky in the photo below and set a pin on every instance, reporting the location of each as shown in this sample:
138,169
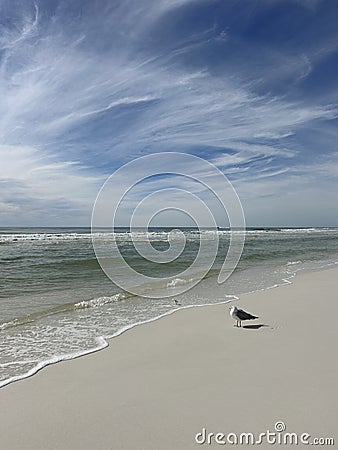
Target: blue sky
251,86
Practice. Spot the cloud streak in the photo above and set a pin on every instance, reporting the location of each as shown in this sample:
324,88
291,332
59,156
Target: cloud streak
85,90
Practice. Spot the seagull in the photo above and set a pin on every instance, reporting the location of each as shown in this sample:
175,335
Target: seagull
239,315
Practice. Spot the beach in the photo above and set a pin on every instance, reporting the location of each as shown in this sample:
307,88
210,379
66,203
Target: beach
160,384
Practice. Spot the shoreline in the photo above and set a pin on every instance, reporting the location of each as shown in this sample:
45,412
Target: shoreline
87,311
104,341
207,368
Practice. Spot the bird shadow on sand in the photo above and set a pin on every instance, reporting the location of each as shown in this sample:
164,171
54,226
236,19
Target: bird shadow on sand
254,327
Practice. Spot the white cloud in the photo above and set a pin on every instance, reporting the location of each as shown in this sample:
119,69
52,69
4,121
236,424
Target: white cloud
55,83
30,180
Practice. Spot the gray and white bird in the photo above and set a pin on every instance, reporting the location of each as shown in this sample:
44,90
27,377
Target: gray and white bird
239,315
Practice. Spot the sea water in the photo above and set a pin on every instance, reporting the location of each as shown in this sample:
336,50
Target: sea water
57,303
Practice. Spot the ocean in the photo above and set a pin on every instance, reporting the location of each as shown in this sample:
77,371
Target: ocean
57,303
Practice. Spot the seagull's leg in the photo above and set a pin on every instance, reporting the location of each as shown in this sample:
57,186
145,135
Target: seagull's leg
240,323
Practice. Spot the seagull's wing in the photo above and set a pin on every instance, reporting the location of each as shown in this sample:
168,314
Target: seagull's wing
243,315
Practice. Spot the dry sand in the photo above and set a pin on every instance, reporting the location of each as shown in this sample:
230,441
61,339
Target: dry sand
159,384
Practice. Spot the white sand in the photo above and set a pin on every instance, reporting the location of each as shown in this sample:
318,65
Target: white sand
159,384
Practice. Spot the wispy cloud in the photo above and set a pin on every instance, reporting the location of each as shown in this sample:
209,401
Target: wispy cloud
84,90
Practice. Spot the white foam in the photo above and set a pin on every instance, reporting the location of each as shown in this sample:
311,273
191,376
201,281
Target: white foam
102,343
95,302
9,324
233,297
179,282
55,237
151,235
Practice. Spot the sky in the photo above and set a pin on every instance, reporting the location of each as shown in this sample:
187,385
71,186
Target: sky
88,86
